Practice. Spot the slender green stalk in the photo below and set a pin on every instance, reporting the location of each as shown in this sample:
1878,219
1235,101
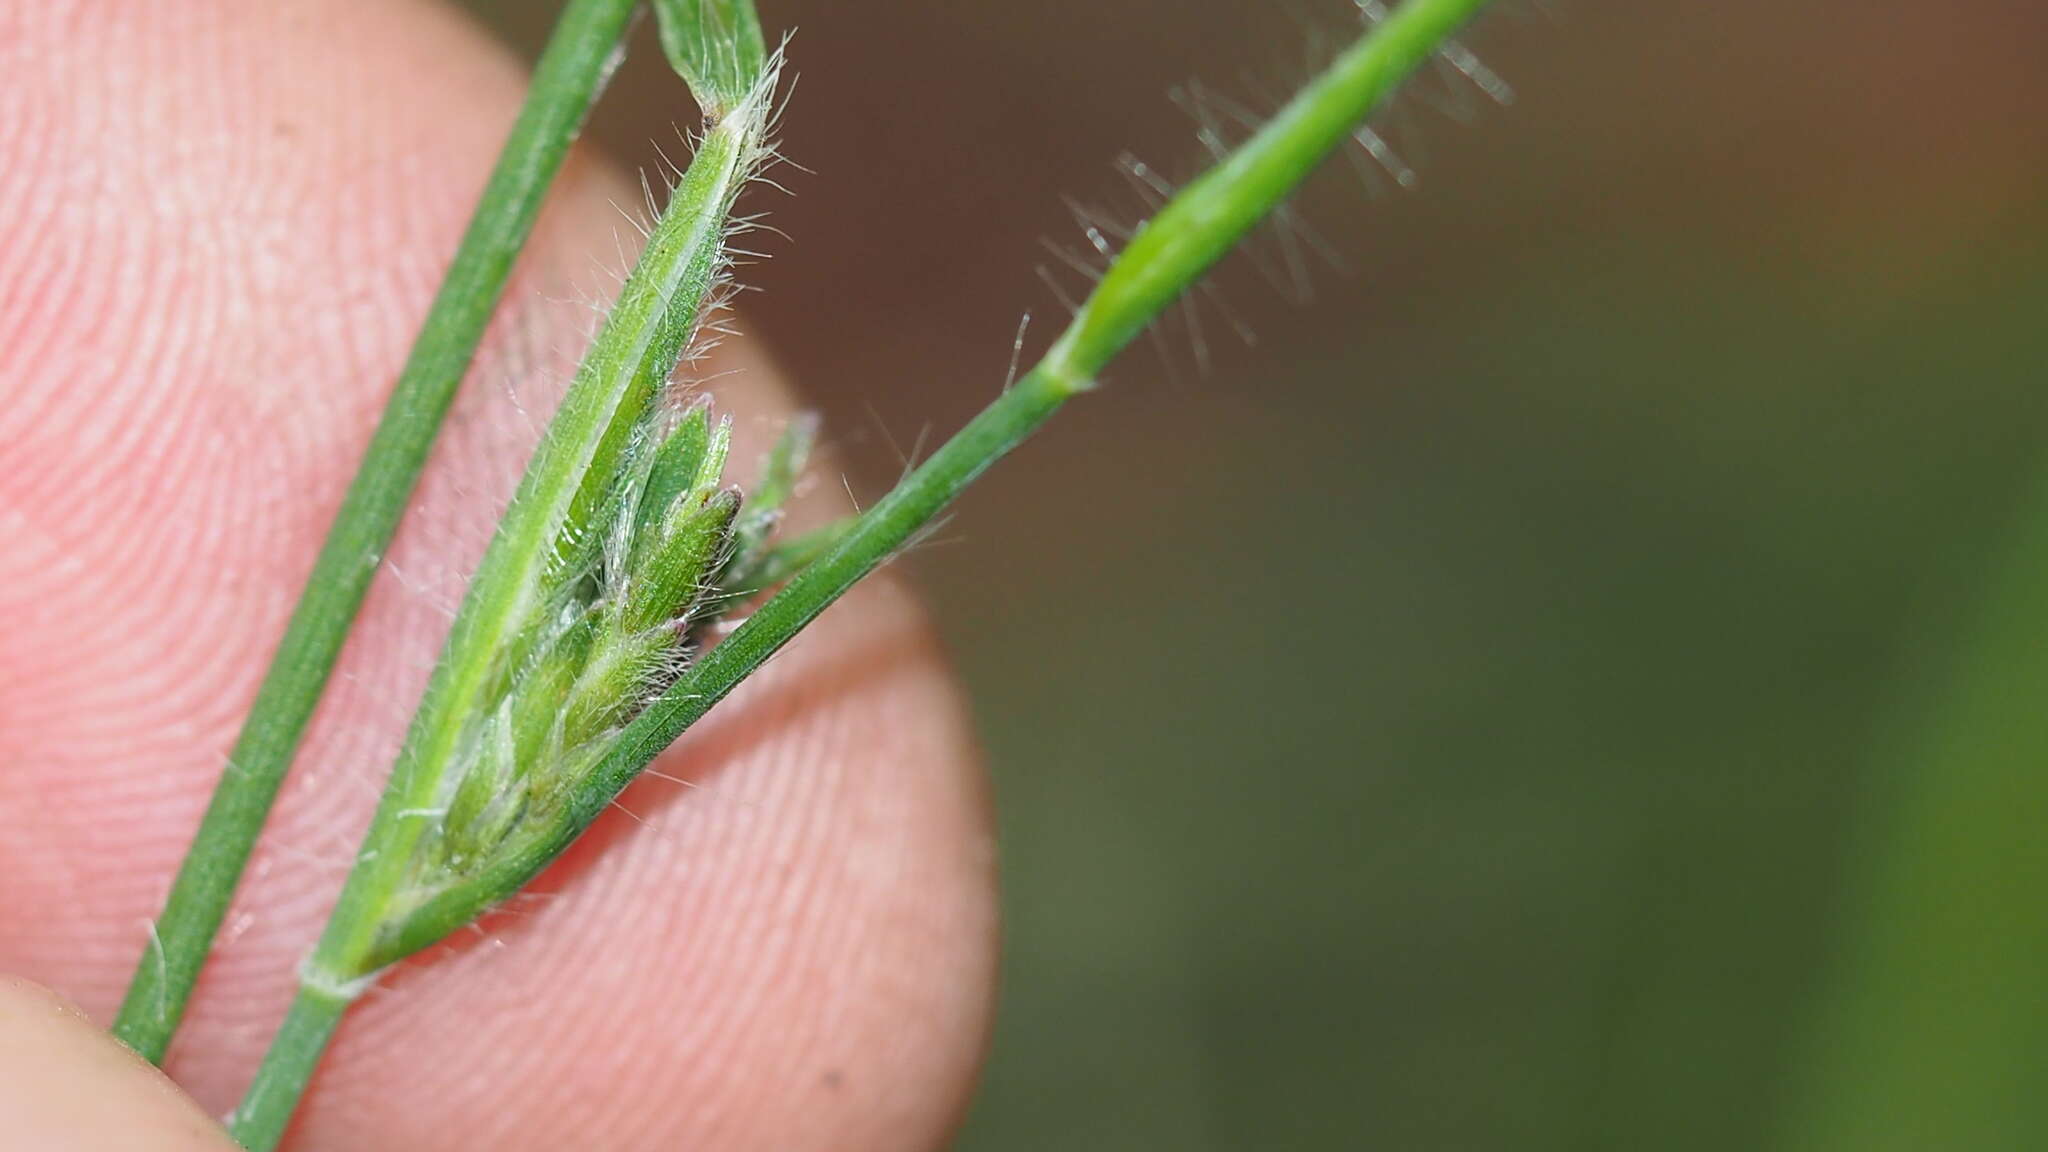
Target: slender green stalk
1166,256
1932,1029
566,82
309,1024
1195,229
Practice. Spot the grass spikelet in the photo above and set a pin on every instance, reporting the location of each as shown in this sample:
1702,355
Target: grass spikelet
581,611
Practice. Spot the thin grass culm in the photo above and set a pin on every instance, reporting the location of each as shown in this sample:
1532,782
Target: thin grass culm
566,82
570,664
1164,258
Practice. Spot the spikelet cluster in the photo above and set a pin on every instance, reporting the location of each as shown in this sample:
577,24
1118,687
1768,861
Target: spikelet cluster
641,564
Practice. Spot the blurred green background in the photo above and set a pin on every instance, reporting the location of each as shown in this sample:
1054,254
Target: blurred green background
1578,681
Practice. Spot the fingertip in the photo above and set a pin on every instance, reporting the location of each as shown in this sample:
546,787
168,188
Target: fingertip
66,1085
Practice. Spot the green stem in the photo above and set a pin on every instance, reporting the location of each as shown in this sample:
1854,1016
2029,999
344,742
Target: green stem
266,1110
1188,235
1195,229
566,82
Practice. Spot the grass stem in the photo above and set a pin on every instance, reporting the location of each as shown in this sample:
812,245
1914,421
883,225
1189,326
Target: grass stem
266,1109
566,81
1166,256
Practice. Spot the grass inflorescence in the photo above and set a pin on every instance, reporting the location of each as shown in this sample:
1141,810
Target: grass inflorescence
583,608
583,648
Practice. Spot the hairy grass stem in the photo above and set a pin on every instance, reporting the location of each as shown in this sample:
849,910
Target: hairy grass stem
566,81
